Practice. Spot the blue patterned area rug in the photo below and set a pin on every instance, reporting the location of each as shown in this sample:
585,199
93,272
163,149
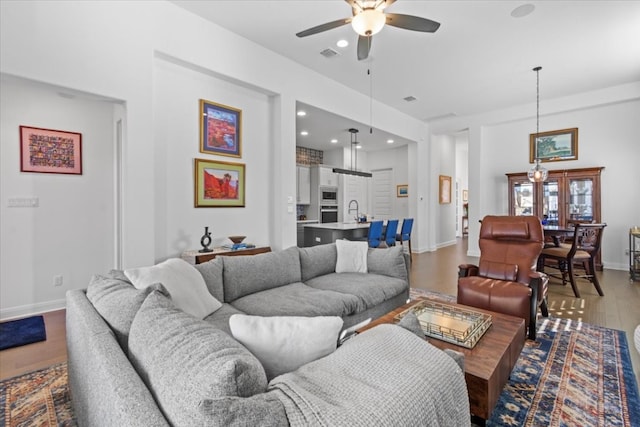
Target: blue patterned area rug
574,374
15,333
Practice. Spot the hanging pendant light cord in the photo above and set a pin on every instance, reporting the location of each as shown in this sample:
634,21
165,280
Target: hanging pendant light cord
537,70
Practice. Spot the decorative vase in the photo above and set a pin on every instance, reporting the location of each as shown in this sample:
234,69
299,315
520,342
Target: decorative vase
205,241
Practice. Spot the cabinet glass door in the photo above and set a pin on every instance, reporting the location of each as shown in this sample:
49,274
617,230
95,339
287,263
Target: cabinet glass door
522,198
581,201
551,202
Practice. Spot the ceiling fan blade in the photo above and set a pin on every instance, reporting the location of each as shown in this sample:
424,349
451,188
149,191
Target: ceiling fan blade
364,46
324,27
410,22
355,6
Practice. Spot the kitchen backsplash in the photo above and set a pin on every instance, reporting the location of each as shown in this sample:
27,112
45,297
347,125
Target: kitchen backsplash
308,156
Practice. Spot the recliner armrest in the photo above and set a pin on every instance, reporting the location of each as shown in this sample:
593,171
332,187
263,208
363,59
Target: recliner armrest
466,270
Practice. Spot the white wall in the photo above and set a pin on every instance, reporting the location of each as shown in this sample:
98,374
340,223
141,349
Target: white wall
114,49
71,232
607,136
608,126
179,225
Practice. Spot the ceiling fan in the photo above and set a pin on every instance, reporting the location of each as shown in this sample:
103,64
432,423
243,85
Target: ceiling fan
369,18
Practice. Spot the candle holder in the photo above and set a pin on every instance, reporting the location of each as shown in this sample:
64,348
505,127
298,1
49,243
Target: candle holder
205,241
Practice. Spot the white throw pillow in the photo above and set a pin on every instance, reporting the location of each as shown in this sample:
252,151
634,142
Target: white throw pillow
352,256
283,344
185,284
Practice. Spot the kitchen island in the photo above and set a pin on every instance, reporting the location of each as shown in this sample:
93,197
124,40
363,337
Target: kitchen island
329,232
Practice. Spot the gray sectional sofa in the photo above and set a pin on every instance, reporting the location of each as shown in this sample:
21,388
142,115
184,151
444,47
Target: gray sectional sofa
135,359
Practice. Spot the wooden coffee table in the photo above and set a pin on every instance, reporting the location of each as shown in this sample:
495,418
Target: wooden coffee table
487,366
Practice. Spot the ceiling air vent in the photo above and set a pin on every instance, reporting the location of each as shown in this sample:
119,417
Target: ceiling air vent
410,98
329,53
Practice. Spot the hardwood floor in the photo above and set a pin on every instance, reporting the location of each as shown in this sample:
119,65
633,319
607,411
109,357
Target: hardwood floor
435,271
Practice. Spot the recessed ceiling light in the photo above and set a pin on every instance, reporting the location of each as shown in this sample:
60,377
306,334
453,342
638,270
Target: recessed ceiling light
390,141
342,43
358,146
304,133
523,10
302,113
334,141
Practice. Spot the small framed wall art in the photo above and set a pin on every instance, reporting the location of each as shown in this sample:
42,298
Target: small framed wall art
220,129
50,151
219,184
402,190
444,189
554,146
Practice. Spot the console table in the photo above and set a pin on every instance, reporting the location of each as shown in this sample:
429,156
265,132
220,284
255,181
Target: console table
197,257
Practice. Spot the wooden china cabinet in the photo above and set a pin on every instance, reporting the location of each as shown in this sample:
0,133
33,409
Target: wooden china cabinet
566,195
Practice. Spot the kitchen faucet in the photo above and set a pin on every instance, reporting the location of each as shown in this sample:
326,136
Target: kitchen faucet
357,209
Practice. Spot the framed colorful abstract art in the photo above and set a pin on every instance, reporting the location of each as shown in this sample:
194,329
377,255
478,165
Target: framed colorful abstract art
220,129
219,184
50,151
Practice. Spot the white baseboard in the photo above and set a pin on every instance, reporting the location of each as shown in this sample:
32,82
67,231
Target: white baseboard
31,309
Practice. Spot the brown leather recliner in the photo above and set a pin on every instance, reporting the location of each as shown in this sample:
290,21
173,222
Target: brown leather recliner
506,280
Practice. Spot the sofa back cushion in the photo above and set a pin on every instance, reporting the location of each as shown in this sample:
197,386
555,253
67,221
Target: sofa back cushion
245,275
389,262
117,301
184,360
212,274
318,260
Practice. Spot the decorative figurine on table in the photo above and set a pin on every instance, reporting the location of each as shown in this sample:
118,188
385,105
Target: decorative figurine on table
205,241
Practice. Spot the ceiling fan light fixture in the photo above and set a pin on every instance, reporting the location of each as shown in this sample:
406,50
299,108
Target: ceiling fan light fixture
368,22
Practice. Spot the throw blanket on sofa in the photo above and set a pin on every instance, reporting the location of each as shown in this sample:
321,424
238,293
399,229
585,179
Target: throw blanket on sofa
384,377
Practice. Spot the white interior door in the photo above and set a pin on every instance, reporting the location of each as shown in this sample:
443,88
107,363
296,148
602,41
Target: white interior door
382,191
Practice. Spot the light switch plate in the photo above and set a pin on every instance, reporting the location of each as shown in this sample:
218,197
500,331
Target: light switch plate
23,202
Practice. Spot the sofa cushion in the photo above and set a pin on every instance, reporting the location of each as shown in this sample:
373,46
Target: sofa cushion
117,301
185,284
284,343
388,261
184,360
297,299
369,289
212,274
220,318
352,256
261,410
318,260
245,275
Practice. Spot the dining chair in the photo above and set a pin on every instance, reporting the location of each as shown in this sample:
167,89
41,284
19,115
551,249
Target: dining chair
374,236
390,232
405,234
587,239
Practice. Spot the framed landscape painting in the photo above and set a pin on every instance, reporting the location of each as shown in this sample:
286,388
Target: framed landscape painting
220,129
50,151
402,190
219,184
554,146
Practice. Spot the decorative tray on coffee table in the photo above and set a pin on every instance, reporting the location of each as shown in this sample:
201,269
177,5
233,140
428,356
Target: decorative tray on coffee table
459,326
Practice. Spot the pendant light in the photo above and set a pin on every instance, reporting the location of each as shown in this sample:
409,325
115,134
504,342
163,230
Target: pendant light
537,173
354,158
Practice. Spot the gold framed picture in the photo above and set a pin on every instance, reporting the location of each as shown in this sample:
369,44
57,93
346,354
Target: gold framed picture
444,193
219,184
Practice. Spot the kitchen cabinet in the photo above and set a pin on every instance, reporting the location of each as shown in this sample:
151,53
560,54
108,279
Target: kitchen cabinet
567,195
326,177
303,185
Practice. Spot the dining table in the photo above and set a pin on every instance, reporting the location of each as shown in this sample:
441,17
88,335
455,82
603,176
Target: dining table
557,232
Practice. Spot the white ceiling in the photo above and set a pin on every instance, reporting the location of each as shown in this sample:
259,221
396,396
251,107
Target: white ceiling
479,60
